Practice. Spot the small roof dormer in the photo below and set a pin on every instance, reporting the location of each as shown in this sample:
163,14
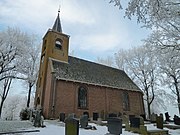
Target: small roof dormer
57,24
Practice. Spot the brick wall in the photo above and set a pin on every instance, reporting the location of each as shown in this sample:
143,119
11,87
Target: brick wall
99,99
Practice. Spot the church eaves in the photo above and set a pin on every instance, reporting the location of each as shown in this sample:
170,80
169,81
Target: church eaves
57,24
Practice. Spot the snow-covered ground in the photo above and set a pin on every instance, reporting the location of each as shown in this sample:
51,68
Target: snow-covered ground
58,128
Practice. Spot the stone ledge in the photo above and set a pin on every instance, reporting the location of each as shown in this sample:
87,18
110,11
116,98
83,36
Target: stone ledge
157,132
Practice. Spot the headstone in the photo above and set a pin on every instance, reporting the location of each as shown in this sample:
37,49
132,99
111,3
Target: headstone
119,114
71,126
42,121
141,120
135,122
102,115
99,120
176,120
125,119
95,116
153,118
144,116
167,117
37,120
71,115
131,116
84,121
31,115
159,122
86,113
114,125
62,117
112,115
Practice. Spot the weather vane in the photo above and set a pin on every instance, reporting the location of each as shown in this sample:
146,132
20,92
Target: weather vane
59,8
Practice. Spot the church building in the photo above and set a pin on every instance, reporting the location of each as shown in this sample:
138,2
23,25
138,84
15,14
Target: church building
68,84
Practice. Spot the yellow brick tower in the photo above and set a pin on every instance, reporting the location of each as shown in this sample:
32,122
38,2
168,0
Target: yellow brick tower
55,46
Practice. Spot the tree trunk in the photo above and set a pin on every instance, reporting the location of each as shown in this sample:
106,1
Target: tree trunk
29,95
178,100
1,106
148,103
149,109
177,92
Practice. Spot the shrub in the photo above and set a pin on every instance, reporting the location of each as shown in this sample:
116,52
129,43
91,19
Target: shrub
25,114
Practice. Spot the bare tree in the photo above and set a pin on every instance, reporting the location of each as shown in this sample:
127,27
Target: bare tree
29,64
4,92
140,64
16,48
120,59
108,61
170,68
12,42
163,16
13,106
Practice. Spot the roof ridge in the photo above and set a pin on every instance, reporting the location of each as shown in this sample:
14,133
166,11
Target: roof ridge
97,63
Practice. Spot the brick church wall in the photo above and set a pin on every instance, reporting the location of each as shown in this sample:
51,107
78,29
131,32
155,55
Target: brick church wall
47,103
100,99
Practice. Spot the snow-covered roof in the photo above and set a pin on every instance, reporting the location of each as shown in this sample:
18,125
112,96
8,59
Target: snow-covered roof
83,71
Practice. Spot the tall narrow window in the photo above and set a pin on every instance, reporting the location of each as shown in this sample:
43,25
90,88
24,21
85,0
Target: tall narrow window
126,106
82,98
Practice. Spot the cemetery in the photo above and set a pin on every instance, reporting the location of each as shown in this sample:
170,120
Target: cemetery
112,124
106,77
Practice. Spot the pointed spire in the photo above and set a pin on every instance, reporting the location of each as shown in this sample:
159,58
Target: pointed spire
57,24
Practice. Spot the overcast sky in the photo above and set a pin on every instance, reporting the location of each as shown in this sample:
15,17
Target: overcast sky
96,28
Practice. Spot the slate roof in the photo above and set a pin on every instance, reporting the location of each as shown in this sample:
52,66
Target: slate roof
79,70
57,24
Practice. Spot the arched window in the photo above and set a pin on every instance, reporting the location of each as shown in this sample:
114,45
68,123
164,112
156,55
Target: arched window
58,44
82,97
126,106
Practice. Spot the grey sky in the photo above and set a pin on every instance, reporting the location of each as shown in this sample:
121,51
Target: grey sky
96,28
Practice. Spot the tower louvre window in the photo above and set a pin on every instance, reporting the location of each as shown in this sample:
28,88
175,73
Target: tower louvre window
58,44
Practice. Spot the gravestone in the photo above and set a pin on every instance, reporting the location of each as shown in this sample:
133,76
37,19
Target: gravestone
159,122
86,113
62,117
135,122
153,118
176,120
112,115
125,119
84,121
31,115
71,115
167,117
114,125
95,116
141,120
37,120
119,114
131,116
71,126
102,115
144,116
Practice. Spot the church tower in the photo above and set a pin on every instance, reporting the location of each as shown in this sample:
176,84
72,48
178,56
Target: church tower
55,46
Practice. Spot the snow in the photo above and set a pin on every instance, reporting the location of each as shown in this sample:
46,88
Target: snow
58,128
